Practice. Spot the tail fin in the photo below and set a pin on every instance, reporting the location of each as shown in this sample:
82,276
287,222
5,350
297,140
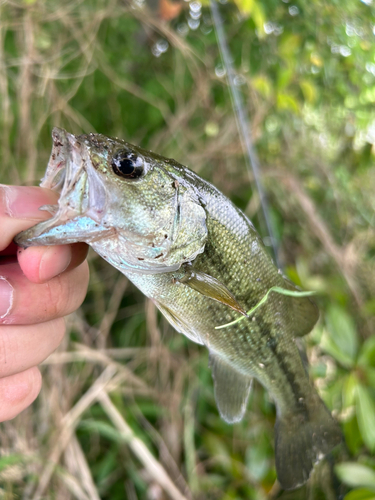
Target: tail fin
302,440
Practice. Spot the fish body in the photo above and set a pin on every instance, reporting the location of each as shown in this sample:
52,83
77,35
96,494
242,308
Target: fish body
201,261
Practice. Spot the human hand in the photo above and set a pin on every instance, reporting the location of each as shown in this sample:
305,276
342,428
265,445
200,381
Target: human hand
36,292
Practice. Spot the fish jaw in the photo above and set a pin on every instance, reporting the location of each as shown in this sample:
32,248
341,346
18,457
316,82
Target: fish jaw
82,197
71,173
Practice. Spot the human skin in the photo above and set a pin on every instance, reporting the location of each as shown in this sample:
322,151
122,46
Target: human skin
38,287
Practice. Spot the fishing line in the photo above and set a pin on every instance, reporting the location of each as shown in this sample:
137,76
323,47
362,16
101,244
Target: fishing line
275,289
251,157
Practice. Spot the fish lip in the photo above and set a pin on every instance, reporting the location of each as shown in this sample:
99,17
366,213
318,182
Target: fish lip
59,167
54,177
70,171
64,174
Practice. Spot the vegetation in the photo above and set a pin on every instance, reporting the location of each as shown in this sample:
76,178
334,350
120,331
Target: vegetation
127,408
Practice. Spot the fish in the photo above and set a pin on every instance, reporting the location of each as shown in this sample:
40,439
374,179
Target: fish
201,261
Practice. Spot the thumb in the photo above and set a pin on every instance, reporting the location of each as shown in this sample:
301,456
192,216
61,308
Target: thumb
19,209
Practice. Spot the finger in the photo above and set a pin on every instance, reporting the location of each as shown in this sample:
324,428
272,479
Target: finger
19,209
18,391
23,302
22,347
40,264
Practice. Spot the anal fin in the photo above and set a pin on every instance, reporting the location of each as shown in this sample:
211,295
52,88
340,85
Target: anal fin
232,389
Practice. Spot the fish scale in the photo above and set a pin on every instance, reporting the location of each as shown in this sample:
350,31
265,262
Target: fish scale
201,261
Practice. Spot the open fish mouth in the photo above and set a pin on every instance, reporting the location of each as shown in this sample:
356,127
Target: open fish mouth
77,216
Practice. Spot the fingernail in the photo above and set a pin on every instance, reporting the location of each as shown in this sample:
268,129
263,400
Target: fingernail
22,202
54,261
6,297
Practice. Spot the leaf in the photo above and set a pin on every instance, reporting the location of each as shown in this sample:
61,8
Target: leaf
253,9
330,347
353,438
342,332
218,448
367,95
284,77
367,354
289,46
259,18
365,407
102,428
316,59
356,475
245,6
257,461
287,101
349,390
308,90
360,494
370,375
263,85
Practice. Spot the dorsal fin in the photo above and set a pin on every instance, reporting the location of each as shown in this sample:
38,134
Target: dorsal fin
306,312
232,389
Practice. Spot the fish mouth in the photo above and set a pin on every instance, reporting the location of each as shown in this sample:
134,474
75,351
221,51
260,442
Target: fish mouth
77,215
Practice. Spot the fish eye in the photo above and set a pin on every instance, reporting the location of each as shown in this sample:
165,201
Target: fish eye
127,165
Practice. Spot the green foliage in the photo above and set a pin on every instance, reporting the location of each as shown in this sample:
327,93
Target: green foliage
341,339
365,408
360,494
307,76
360,477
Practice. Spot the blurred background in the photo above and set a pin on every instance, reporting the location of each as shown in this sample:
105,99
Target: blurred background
127,408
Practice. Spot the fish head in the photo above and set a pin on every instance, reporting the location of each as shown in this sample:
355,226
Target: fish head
128,203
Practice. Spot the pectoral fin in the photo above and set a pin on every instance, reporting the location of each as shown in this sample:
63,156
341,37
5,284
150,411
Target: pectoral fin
212,288
232,389
178,324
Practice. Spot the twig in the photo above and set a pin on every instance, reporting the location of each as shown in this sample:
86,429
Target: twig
153,467
321,231
26,142
78,466
68,426
112,309
72,484
58,358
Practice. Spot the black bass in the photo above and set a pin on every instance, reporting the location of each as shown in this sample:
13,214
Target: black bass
199,258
